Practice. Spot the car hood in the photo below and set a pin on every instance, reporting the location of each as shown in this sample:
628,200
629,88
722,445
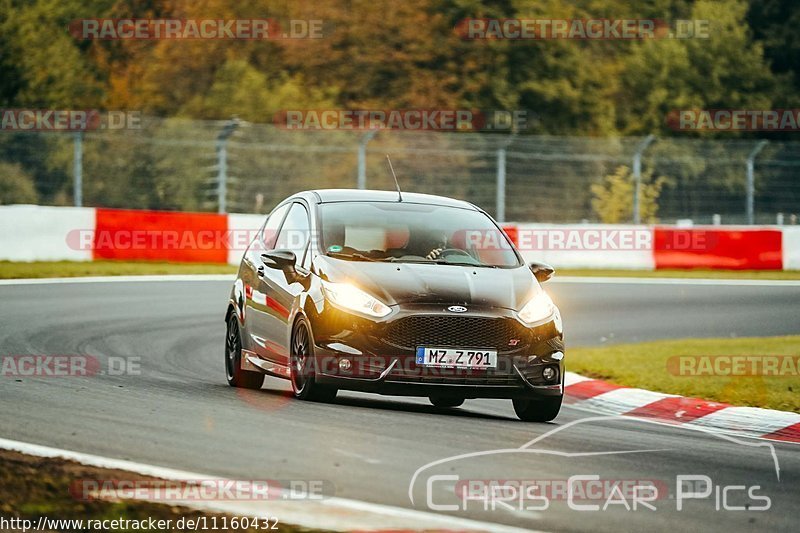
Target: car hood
398,283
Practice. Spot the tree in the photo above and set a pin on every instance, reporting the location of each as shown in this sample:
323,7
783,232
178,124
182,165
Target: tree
16,187
240,89
775,23
613,197
726,70
52,69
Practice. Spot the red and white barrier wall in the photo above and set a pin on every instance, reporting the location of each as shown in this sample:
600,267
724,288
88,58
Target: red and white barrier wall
40,233
659,247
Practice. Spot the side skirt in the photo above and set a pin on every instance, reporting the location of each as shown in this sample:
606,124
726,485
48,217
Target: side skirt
253,363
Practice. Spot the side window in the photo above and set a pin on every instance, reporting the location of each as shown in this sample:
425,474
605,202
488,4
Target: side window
295,232
270,230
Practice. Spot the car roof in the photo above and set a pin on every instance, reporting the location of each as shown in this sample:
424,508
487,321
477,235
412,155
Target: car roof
323,196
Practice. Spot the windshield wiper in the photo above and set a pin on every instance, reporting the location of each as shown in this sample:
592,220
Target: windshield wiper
356,256
350,256
424,261
459,263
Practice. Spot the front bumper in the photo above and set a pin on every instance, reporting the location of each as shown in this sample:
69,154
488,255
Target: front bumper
391,382
355,354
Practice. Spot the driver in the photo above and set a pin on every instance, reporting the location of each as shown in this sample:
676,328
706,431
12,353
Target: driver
429,244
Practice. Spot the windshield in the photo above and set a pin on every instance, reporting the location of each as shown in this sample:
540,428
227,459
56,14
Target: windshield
408,232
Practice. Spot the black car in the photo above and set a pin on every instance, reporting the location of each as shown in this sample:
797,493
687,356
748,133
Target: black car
413,295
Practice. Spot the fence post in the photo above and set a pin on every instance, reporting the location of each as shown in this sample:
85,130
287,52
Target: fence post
222,163
500,198
751,181
77,169
637,177
500,201
361,180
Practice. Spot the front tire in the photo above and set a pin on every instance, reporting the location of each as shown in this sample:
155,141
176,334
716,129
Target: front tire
233,359
538,409
303,367
444,402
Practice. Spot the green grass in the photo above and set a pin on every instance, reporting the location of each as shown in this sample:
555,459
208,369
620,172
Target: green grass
694,273
644,365
69,269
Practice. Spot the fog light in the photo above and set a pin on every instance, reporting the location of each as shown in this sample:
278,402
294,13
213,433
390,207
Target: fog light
549,373
344,364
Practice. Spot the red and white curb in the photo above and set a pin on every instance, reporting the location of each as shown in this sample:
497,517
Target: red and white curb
602,397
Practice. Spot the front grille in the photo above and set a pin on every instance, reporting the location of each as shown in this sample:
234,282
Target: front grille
506,380
462,331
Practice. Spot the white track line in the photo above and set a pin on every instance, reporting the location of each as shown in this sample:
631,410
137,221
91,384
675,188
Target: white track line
339,514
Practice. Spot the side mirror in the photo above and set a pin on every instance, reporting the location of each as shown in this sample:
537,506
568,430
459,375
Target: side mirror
280,260
542,271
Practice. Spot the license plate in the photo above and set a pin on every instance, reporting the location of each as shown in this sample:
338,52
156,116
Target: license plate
459,358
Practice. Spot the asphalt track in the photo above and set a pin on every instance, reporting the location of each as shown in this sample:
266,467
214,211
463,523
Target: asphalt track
179,413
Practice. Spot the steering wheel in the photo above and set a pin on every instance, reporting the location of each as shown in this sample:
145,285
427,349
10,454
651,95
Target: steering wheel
451,251
437,253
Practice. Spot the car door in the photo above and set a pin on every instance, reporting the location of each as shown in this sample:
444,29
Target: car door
257,319
280,289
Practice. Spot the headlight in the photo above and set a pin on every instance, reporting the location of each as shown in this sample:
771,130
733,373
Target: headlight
354,299
537,309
